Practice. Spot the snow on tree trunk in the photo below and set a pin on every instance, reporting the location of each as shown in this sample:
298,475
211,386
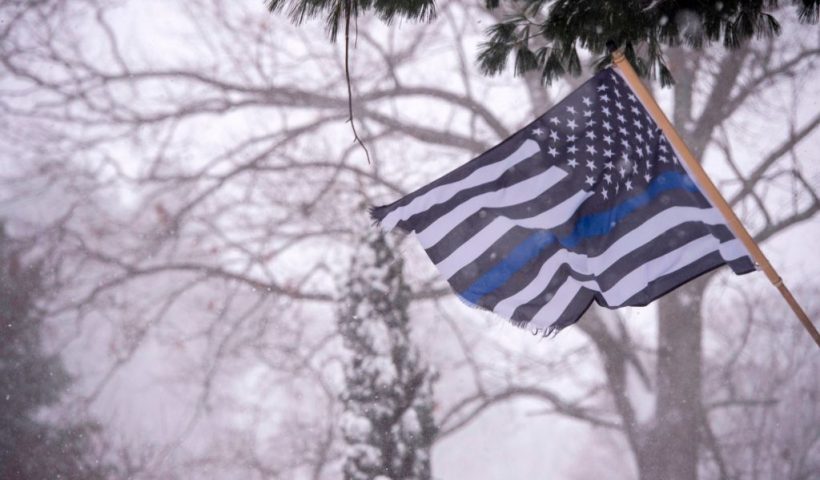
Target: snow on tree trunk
388,422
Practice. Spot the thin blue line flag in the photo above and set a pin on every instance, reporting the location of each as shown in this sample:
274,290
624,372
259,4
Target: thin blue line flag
589,202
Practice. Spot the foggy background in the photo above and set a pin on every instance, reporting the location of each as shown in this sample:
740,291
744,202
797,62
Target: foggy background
183,174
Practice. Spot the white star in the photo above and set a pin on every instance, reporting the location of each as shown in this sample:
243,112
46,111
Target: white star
590,135
622,171
591,150
617,187
640,152
572,149
607,126
587,113
647,177
554,135
635,110
571,124
587,101
619,105
632,97
625,144
552,151
628,185
590,123
538,131
609,165
589,180
608,178
623,131
637,123
602,88
591,165
572,163
608,153
605,98
662,147
621,118
617,93
605,194
608,139
664,159
639,137
555,121
634,168
571,137
571,109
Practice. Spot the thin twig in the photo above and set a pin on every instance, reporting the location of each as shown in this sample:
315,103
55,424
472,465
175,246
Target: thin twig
347,76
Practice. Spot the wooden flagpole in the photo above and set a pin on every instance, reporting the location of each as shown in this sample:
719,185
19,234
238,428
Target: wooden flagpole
711,191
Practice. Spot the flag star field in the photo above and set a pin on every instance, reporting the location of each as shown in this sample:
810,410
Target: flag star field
587,203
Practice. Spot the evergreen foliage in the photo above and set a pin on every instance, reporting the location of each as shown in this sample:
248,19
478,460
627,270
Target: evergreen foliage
30,380
545,35
335,12
388,421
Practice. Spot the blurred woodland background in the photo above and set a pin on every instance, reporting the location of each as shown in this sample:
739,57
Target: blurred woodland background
181,201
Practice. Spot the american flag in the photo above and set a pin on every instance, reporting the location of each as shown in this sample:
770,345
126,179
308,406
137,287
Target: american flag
588,202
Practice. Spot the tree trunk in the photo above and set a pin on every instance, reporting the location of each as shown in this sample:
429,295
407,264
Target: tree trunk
670,451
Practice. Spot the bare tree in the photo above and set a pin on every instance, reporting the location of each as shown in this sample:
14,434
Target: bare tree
197,176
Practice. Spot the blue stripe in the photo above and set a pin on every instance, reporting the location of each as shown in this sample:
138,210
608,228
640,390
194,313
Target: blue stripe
596,224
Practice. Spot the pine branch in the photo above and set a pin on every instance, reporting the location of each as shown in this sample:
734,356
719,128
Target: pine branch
551,44
643,29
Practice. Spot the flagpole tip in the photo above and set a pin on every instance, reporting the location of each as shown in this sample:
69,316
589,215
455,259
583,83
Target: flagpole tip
617,54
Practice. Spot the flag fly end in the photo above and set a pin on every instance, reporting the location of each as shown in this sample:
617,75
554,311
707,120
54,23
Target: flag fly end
377,214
